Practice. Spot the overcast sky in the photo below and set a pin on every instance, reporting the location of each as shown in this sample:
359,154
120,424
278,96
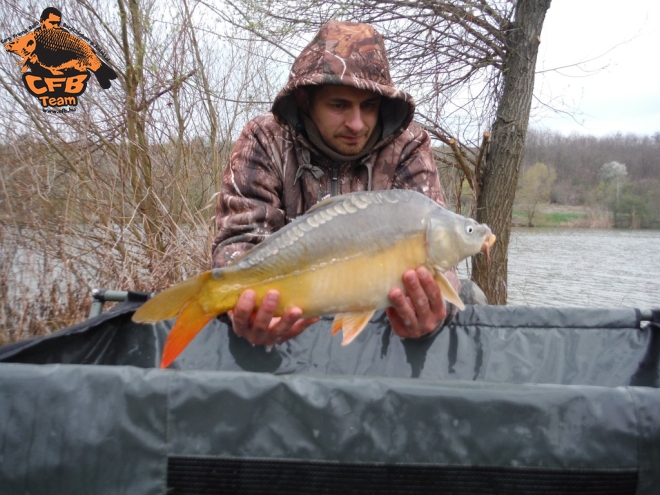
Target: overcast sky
619,90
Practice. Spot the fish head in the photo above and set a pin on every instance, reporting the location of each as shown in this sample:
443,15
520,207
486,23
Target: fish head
450,238
23,46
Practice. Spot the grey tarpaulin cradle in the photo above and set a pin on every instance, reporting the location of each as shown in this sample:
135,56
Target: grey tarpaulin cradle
503,400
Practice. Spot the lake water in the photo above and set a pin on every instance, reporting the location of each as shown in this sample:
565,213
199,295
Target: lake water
561,267
584,267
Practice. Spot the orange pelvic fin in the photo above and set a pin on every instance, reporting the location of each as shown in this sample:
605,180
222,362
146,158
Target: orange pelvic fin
351,324
336,323
189,323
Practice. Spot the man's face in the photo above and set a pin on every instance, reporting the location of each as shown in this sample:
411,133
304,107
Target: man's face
51,22
345,117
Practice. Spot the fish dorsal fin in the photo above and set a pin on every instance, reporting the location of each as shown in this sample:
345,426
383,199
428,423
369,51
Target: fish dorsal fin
351,324
448,291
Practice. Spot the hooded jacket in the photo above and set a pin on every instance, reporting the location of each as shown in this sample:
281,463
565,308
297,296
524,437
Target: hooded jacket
275,173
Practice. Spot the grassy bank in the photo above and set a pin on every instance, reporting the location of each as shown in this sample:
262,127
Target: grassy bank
550,215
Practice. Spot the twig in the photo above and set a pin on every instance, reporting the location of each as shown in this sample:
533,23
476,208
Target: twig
477,164
463,164
175,84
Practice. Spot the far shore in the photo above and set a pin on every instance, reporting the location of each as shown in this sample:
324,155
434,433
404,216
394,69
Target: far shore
553,215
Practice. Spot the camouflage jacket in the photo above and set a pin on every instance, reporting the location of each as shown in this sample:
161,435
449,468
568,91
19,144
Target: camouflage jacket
275,173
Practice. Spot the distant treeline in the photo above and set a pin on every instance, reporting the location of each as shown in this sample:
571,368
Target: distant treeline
618,173
578,161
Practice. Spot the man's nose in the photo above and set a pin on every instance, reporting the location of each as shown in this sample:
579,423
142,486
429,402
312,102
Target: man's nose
354,120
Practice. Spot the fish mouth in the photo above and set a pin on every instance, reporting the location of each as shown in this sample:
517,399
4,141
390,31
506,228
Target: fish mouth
488,243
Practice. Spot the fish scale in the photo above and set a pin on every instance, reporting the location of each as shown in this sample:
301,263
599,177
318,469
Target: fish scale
342,257
313,244
59,39
62,50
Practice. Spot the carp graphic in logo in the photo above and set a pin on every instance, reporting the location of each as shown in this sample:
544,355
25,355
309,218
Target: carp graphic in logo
56,63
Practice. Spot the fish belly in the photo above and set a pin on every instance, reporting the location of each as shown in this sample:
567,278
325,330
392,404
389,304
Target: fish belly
355,282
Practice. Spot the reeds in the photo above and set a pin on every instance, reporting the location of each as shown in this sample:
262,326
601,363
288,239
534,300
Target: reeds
46,280
65,232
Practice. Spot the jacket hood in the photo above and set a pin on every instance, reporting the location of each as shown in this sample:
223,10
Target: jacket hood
346,54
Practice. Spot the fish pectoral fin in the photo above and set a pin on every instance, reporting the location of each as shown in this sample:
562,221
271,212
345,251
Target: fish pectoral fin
351,324
448,292
189,323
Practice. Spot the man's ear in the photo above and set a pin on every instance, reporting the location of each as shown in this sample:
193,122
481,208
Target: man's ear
302,99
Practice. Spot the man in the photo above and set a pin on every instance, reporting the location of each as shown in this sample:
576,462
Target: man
50,18
338,126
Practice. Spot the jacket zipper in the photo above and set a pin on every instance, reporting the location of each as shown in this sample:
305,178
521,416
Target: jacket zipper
334,180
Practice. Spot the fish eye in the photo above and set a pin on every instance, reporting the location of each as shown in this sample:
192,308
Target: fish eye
469,229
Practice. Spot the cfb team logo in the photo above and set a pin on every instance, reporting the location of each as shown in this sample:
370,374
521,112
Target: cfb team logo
56,64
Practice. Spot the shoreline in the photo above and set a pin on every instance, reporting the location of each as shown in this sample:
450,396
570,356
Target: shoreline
554,215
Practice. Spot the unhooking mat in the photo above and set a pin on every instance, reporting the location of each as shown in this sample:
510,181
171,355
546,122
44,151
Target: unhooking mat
505,400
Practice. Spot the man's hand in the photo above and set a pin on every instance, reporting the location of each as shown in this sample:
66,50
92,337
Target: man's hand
422,310
261,327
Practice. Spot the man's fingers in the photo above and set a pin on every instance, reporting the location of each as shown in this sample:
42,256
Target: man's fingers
242,314
433,293
265,312
260,327
281,327
251,324
422,310
289,325
395,320
403,307
301,325
418,296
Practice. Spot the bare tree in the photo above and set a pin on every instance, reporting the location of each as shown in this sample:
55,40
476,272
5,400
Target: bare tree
118,194
499,175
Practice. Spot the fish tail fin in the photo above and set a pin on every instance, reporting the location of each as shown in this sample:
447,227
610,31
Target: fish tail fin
184,300
351,324
189,323
104,74
170,302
